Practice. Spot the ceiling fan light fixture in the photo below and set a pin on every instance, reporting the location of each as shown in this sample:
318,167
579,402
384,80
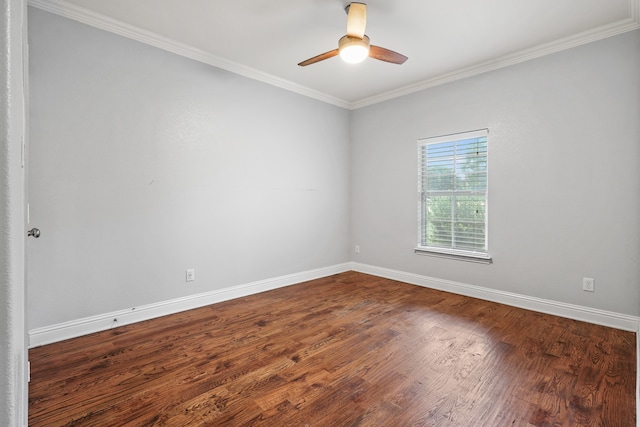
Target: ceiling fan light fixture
355,47
353,50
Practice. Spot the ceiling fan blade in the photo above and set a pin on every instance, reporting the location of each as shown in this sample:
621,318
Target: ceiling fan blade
319,58
356,20
386,55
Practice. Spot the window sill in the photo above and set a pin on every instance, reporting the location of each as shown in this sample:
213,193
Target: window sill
461,256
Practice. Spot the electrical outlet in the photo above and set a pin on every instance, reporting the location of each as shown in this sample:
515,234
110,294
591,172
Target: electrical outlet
357,249
588,284
191,274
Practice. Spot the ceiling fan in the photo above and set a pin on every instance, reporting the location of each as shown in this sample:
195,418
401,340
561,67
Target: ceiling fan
354,47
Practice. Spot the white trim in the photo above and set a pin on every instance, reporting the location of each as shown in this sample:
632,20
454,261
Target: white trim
603,32
76,328
425,192
634,13
570,311
477,257
94,19
458,136
86,16
88,325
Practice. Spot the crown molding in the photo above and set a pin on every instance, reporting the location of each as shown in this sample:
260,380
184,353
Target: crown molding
613,29
91,18
86,16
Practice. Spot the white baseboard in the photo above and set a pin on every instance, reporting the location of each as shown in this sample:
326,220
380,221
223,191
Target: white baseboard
88,325
570,311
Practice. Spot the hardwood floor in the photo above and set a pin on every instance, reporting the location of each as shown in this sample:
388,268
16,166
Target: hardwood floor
347,350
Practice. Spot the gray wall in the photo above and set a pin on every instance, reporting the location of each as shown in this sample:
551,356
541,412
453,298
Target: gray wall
144,163
13,342
564,175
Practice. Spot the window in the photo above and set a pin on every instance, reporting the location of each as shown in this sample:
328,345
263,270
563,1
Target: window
452,186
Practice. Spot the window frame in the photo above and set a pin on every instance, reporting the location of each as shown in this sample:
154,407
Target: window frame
481,256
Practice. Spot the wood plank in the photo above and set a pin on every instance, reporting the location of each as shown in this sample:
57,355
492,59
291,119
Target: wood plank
350,349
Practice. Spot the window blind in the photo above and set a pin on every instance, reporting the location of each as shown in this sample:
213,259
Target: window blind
453,193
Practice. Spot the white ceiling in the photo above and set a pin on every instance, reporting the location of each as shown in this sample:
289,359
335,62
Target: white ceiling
444,39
